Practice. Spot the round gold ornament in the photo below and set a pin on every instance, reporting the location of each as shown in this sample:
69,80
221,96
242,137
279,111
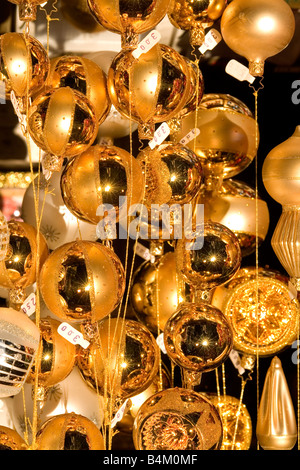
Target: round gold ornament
69,432
198,337
82,281
122,362
234,206
83,75
57,356
260,309
196,89
79,15
129,18
177,419
98,177
27,8
62,122
24,66
211,257
150,89
226,144
11,440
257,30
196,16
155,292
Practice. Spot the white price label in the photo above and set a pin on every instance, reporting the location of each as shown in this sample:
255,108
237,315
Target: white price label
147,43
161,343
190,136
29,305
144,253
72,335
120,413
239,71
212,39
160,135
236,361
2,92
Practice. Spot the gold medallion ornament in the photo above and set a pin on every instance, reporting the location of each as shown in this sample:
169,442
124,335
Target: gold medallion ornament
69,431
27,8
177,419
260,309
257,30
82,281
83,75
11,440
196,16
151,89
122,362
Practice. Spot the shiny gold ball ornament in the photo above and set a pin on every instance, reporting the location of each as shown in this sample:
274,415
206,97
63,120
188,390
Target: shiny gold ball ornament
155,292
83,75
196,16
98,177
150,89
57,356
257,30
198,337
24,65
234,205
19,341
226,144
260,309
82,281
62,122
177,419
69,431
196,89
209,257
11,440
19,268
27,8
124,360
129,18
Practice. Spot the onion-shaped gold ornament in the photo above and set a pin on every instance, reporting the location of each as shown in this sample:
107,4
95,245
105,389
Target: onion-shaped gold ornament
69,432
27,8
177,419
82,281
260,309
11,440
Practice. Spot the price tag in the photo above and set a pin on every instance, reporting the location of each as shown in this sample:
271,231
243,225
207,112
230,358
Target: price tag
160,135
29,305
21,117
147,43
72,335
190,136
239,71
144,253
161,343
236,361
2,92
121,412
212,39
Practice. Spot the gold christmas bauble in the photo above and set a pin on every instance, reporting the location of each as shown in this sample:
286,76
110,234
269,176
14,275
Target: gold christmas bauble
261,310
257,30
122,361
11,440
82,281
177,419
69,432
83,75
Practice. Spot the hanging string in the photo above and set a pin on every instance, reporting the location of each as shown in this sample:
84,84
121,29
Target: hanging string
49,19
238,413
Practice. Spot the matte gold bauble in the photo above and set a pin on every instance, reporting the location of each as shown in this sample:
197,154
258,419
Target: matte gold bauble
82,281
18,269
124,360
198,337
209,258
27,8
177,419
150,89
57,356
260,309
226,144
24,65
69,432
196,16
234,206
257,30
62,122
129,18
83,75
100,176
155,292
79,15
11,440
